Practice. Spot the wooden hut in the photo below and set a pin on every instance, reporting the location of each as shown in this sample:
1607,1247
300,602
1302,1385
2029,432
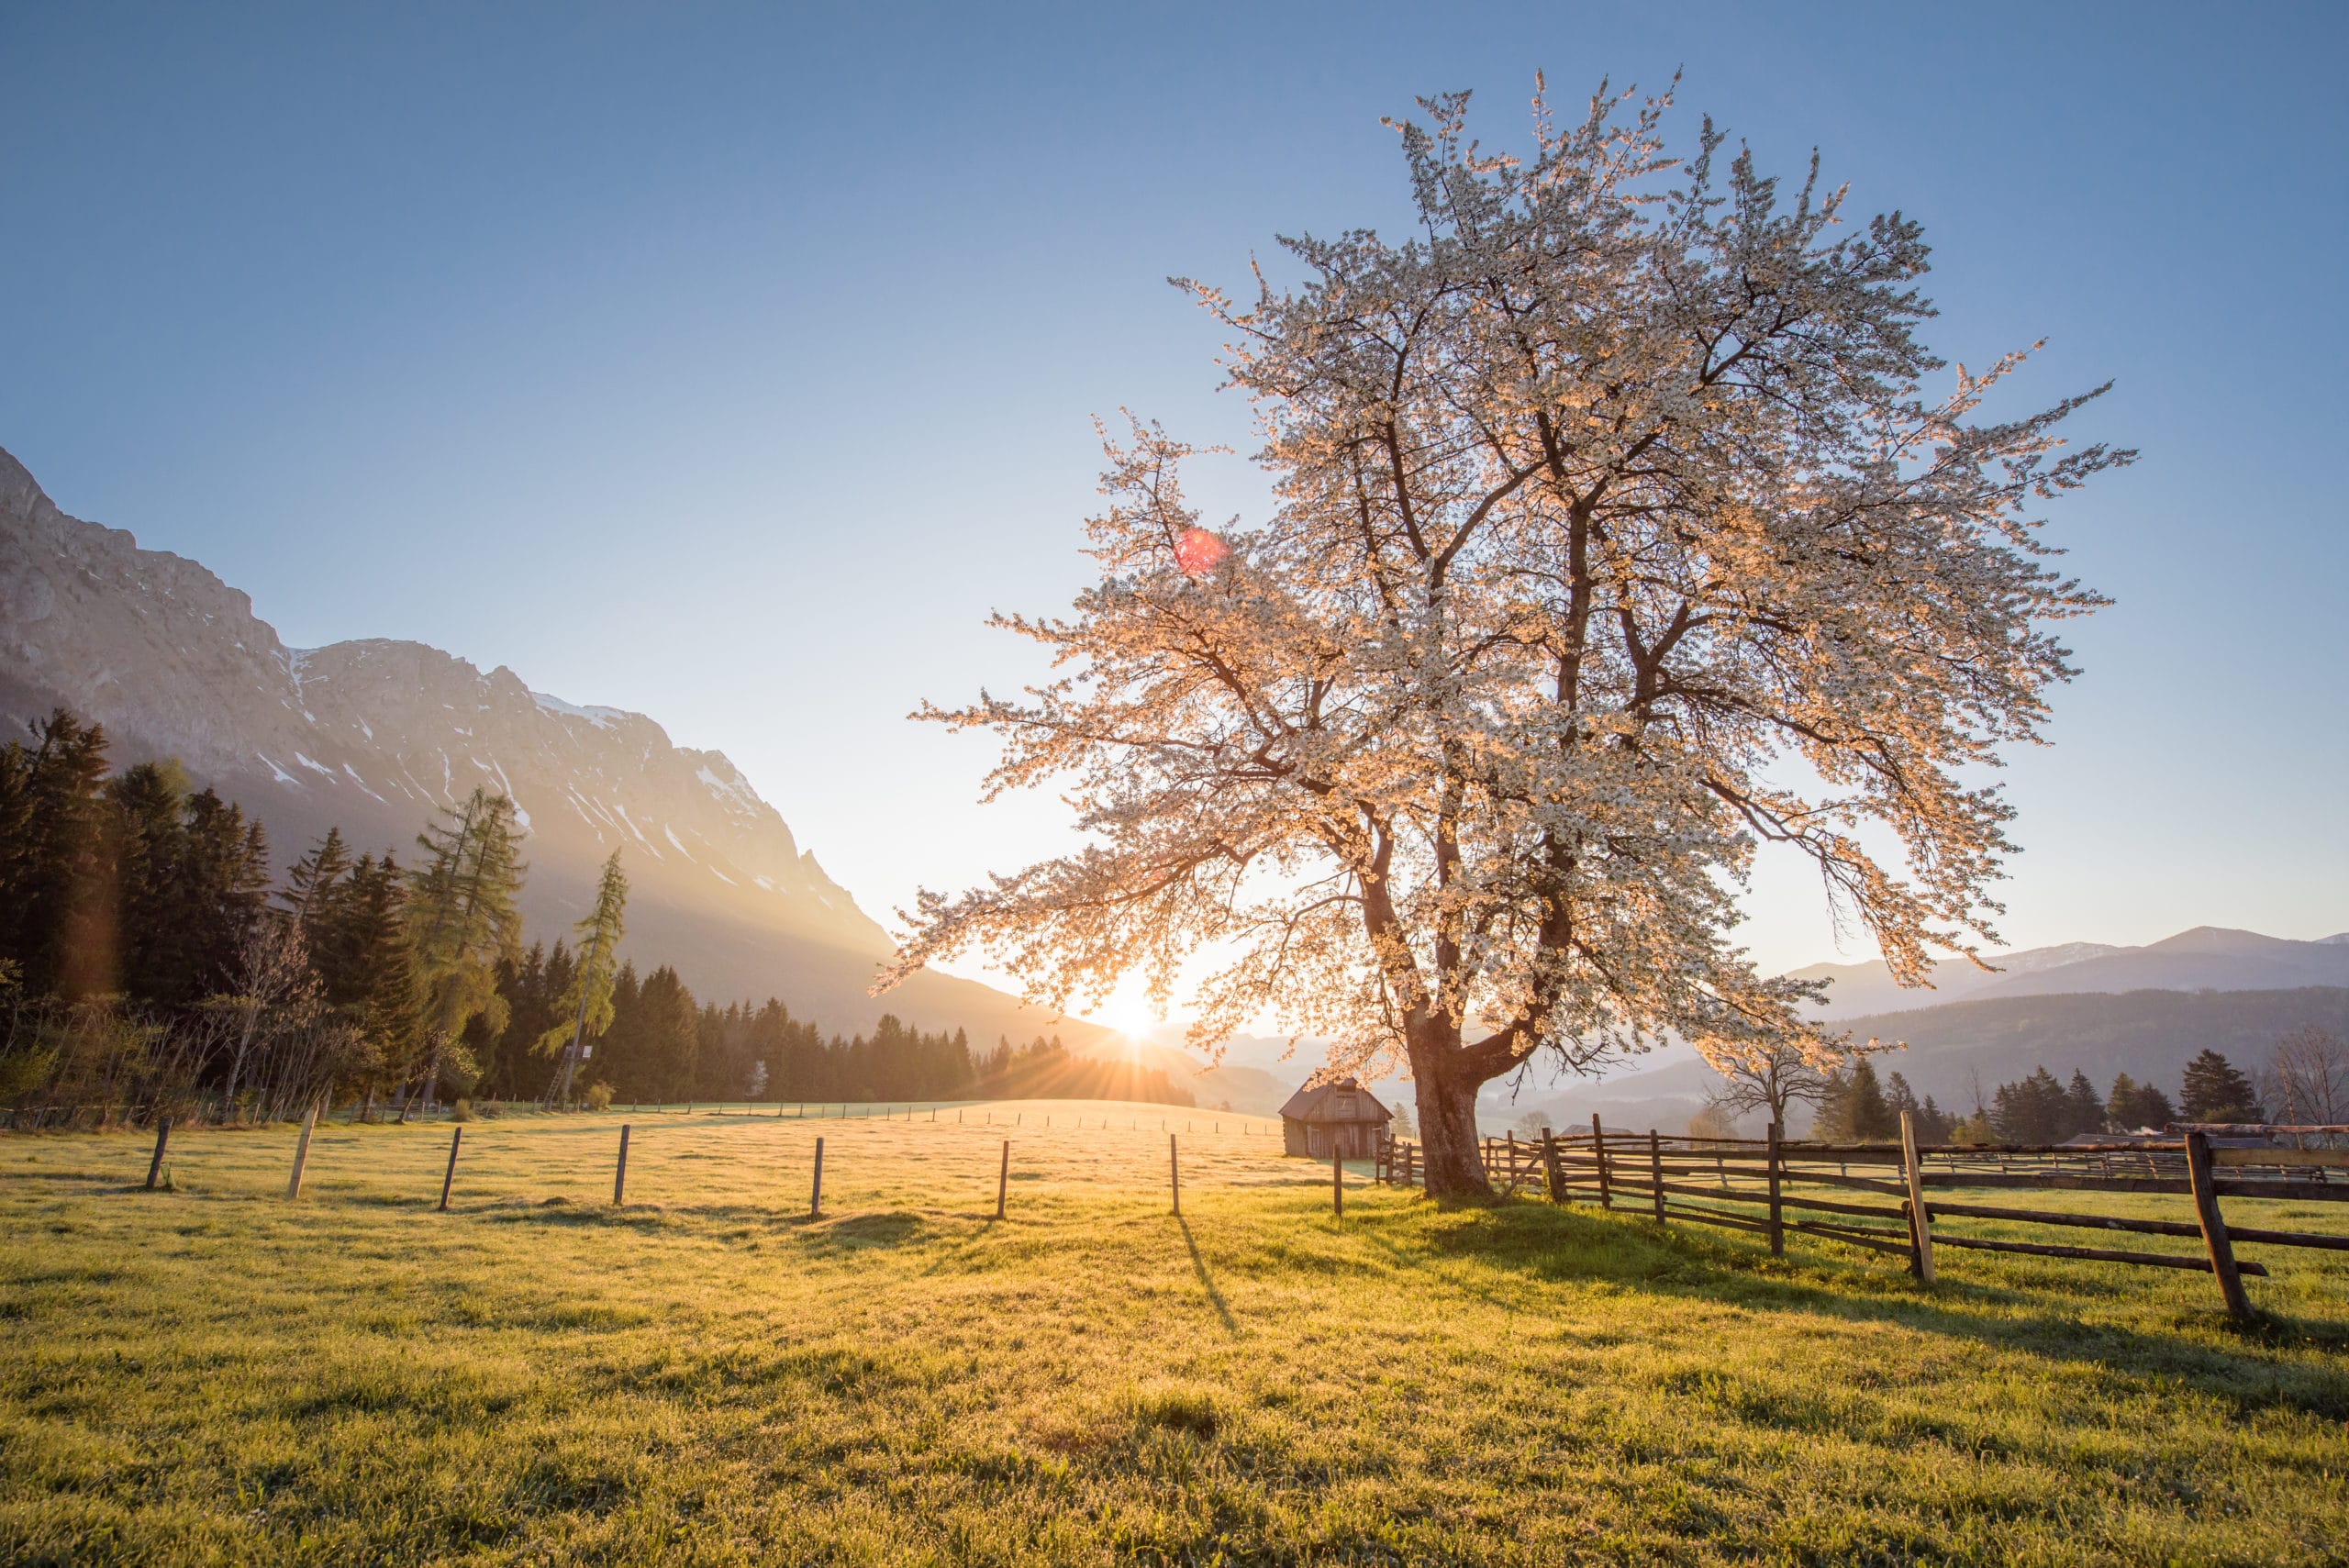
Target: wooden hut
1340,1115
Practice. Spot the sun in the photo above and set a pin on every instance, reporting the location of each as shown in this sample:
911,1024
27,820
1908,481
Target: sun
1127,1010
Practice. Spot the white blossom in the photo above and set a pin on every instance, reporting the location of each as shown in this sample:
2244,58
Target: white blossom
1615,533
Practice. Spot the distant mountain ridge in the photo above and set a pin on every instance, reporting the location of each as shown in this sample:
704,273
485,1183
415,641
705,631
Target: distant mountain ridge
374,735
2150,1035
2207,958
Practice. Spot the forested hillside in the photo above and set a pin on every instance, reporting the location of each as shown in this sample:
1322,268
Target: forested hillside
148,961
374,735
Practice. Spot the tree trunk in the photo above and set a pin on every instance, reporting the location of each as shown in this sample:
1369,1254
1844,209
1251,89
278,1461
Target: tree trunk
1447,1103
432,1075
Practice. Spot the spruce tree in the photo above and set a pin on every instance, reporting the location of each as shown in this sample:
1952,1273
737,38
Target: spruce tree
149,803
588,1001
2213,1091
2083,1107
51,843
462,915
2031,1111
2132,1106
389,999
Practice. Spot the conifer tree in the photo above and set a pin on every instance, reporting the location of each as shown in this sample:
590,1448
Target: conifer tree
1855,1109
589,999
311,880
50,844
2132,1106
2214,1091
2031,1111
2083,1107
462,917
389,999
148,803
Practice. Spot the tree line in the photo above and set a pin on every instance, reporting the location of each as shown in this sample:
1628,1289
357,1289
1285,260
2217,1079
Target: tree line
2306,1078
150,963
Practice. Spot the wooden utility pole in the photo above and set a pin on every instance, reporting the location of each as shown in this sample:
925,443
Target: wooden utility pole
1778,1213
1003,1179
1920,1229
2214,1229
619,1175
302,1152
456,1137
816,1197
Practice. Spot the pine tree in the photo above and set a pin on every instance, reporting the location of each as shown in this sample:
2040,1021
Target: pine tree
588,1001
2031,1111
389,1002
2213,1091
1856,1110
2132,1106
149,805
51,841
2083,1107
462,913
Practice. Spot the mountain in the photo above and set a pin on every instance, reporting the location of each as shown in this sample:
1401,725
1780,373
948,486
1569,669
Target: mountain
2207,958
374,735
2150,1035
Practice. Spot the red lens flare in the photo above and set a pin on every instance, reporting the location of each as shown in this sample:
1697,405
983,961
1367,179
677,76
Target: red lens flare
1197,551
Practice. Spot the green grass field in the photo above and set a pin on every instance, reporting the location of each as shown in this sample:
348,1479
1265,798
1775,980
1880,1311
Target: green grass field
212,1375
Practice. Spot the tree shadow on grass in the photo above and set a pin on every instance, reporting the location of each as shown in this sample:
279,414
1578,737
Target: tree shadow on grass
1553,1244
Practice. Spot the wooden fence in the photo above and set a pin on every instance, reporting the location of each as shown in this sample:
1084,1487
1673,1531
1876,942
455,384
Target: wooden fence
1770,1186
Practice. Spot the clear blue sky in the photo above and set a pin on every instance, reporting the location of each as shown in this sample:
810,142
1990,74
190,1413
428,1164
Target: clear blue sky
731,364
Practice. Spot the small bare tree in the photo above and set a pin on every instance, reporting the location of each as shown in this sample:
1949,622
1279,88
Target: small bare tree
2307,1082
1774,1079
276,985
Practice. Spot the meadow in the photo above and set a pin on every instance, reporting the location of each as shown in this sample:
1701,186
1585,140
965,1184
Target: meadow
211,1373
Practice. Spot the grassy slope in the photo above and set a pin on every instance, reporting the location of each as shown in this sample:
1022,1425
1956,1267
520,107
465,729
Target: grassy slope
213,1375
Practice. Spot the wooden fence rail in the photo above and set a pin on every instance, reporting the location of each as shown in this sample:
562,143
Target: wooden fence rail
1762,1180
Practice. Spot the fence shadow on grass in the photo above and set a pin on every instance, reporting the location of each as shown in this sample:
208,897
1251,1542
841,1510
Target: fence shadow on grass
1554,1244
1207,1280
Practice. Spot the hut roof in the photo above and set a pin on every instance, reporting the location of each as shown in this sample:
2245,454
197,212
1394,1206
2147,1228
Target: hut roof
1345,1100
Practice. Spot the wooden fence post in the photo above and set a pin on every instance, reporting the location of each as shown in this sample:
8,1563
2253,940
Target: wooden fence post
1551,1168
1175,1174
1003,1179
816,1197
302,1152
163,1140
456,1137
2214,1229
1778,1215
619,1173
1656,1171
1921,1227
1599,1147
1337,1179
